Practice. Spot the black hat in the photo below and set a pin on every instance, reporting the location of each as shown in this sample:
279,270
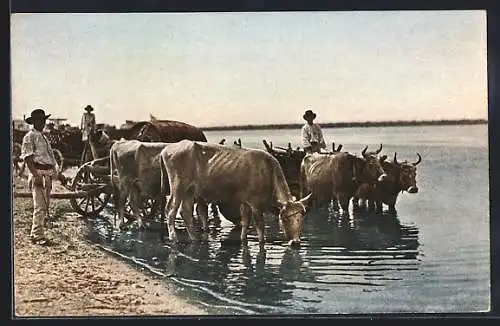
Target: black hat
37,114
309,114
89,108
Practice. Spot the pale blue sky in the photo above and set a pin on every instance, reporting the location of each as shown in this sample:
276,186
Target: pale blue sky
251,68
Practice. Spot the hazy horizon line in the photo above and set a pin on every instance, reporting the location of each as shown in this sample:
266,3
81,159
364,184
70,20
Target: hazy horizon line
386,123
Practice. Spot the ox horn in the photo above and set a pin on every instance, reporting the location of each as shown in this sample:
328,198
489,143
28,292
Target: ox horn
222,141
395,159
333,146
268,147
363,152
418,160
379,150
339,147
305,201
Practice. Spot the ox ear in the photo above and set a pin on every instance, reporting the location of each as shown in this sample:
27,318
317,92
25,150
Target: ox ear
383,158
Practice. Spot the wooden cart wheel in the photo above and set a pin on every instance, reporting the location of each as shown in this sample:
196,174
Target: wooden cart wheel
94,203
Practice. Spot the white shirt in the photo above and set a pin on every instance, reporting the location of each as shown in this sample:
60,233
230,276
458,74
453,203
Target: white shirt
312,133
37,145
87,124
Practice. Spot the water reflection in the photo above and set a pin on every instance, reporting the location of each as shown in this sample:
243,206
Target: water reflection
363,252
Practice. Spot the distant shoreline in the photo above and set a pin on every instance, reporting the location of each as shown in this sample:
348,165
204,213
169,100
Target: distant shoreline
352,124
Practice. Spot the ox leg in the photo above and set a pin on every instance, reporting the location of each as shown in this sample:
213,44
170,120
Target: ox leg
392,208
161,206
246,214
260,226
135,204
215,211
355,202
335,202
378,206
343,200
202,210
187,215
122,199
371,205
23,167
173,206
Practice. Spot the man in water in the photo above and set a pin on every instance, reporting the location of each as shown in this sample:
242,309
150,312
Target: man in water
39,157
312,136
88,127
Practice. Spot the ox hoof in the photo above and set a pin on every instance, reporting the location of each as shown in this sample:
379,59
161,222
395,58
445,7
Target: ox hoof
294,243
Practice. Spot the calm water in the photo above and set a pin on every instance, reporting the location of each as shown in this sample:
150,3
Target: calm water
432,257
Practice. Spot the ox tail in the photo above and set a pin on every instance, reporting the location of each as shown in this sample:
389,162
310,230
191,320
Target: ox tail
114,186
165,187
302,180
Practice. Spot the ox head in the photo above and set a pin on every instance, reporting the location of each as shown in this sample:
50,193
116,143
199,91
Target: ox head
100,138
373,169
336,149
237,144
407,174
291,217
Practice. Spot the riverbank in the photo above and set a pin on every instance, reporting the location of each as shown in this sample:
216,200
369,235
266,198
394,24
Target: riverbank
364,124
73,277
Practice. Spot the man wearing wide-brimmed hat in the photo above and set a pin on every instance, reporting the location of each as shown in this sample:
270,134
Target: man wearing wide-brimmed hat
312,136
39,157
88,127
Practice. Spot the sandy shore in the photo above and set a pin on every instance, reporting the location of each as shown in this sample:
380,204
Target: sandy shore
73,277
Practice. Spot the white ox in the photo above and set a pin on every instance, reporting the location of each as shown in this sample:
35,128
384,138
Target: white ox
251,179
135,170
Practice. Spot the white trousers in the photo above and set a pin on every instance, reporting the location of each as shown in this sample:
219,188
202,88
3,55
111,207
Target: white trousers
41,201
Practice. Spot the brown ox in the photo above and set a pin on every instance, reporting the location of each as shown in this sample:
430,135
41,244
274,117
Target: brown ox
337,175
401,176
251,179
16,159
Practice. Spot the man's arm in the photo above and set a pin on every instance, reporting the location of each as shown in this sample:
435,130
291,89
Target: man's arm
322,140
31,166
27,152
305,137
93,124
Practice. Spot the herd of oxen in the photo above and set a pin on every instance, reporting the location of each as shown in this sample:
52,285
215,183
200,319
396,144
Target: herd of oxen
245,183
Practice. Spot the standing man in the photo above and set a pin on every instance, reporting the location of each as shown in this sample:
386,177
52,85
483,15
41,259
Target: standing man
37,153
312,136
88,127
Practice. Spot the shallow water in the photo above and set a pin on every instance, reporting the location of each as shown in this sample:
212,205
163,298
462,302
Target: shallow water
433,256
